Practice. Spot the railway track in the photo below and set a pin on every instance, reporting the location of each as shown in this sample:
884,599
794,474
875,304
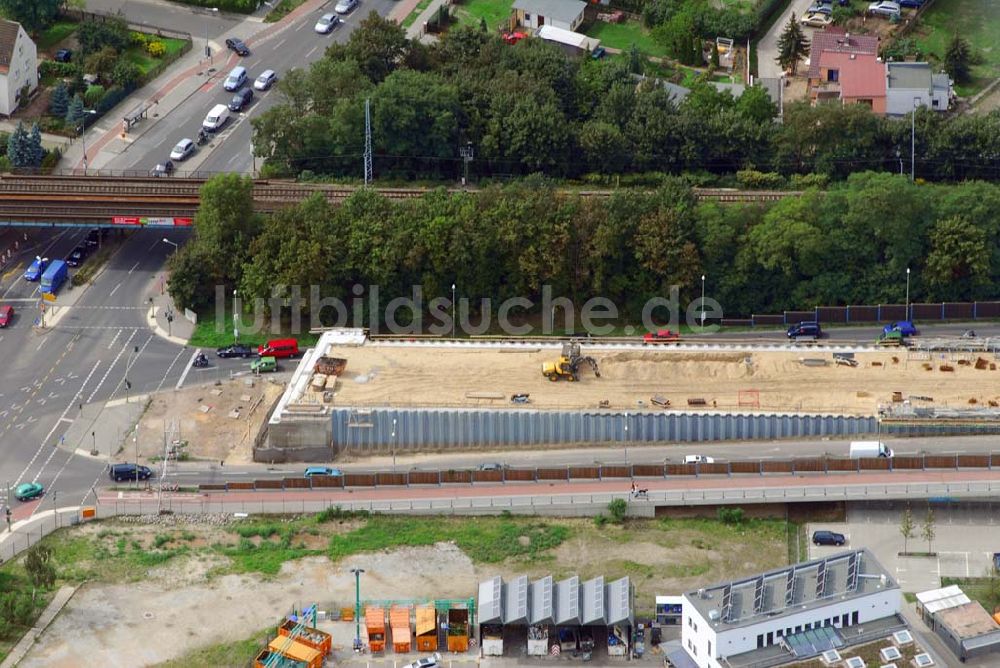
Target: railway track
94,197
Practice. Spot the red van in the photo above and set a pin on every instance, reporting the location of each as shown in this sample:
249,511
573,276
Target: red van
279,348
6,315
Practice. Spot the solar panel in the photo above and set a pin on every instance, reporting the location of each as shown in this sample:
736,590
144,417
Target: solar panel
727,603
852,572
821,579
758,595
790,588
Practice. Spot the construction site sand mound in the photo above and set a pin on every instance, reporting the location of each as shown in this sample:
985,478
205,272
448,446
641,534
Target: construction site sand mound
642,366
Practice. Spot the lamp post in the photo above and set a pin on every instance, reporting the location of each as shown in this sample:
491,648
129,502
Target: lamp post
393,445
357,607
703,301
913,139
236,320
899,156
626,439
209,11
907,294
135,436
83,136
453,307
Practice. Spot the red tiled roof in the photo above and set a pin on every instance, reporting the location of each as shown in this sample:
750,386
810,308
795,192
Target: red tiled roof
835,40
860,75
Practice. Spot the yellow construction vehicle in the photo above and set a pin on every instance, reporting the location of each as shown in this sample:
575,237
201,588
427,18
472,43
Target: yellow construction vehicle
568,365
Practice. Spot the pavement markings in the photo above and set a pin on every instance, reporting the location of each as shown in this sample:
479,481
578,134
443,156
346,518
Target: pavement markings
41,344
112,366
187,368
167,372
311,52
115,338
115,289
134,266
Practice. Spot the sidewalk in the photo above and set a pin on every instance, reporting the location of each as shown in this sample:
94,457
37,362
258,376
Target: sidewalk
188,75
20,650
165,319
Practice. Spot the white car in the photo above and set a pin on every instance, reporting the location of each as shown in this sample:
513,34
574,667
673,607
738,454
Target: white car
816,20
183,150
265,80
427,662
885,8
698,459
326,23
345,6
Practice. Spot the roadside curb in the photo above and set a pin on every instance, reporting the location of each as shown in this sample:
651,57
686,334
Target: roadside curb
58,602
162,333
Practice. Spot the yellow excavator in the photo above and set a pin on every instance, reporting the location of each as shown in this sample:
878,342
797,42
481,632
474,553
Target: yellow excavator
567,367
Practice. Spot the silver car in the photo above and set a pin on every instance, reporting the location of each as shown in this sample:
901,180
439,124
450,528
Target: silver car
183,150
345,6
885,8
265,80
326,23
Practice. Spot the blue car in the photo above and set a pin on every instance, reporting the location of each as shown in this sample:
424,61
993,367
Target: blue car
915,4
904,327
323,470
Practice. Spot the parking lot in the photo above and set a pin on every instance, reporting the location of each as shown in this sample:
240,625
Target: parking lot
966,538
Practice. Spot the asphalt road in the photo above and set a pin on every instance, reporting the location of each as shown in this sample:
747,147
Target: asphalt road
194,20
767,47
230,150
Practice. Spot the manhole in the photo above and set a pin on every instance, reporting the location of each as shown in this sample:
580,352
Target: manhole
147,615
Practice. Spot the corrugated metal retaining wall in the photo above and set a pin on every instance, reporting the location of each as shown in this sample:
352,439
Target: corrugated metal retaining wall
417,428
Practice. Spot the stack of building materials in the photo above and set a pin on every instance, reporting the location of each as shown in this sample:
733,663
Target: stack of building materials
427,640
297,651
458,630
318,640
399,622
375,624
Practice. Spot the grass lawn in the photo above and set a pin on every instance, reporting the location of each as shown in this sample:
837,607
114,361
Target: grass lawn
976,20
54,34
495,12
208,335
146,62
239,653
281,10
624,35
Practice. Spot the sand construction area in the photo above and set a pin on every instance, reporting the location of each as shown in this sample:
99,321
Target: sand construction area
809,380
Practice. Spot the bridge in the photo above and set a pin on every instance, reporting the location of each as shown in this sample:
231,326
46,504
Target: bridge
103,201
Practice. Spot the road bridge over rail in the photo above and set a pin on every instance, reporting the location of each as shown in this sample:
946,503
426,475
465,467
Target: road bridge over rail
130,201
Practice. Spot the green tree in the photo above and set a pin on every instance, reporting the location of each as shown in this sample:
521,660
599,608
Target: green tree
75,112
19,149
618,509
102,62
125,74
636,61
225,225
792,45
906,528
34,147
957,58
112,31
756,105
377,44
34,15
38,564
604,147
927,531
59,101
959,257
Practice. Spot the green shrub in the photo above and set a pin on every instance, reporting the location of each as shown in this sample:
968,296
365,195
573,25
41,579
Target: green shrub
618,508
600,520
156,49
50,160
51,68
138,38
752,179
94,95
805,181
730,515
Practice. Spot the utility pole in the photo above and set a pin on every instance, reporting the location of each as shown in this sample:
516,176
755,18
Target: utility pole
913,140
467,153
357,607
368,142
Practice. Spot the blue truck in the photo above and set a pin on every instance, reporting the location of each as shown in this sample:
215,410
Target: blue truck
35,269
53,276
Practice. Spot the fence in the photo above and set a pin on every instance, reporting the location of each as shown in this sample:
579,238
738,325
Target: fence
865,314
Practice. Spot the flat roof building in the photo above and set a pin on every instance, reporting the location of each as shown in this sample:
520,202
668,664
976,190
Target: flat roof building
964,625
796,611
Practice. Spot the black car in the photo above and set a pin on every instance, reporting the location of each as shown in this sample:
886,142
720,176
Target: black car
242,98
828,538
235,350
809,329
79,254
237,45
96,235
119,472
64,56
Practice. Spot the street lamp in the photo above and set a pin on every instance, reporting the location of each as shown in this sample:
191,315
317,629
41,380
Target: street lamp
453,310
393,445
357,607
83,136
899,156
913,139
236,321
626,439
175,245
703,301
208,11
907,294
135,436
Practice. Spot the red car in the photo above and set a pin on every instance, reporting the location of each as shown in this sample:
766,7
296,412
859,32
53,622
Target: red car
6,315
661,336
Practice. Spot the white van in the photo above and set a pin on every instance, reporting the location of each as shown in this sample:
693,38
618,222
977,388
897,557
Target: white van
236,79
216,118
864,449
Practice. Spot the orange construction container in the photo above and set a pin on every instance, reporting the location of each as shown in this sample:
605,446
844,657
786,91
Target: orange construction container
375,624
263,660
458,630
284,646
427,637
319,640
399,622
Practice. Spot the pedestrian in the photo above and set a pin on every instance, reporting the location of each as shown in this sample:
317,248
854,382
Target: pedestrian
633,488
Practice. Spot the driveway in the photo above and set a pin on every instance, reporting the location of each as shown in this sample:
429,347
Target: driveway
767,47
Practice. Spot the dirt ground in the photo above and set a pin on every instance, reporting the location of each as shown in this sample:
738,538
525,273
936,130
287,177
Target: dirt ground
465,378
210,434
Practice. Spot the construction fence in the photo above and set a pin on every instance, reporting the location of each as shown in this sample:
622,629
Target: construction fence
866,314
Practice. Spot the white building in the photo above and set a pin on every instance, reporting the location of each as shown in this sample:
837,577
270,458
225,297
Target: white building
573,42
799,611
18,65
911,85
565,14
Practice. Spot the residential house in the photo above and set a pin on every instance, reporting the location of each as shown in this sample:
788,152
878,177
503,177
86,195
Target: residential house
573,43
18,65
564,14
849,78
911,85
965,626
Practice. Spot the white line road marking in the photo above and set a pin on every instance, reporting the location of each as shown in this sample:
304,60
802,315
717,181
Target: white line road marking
112,366
278,45
167,372
41,344
311,52
133,267
187,369
66,419
115,289
115,338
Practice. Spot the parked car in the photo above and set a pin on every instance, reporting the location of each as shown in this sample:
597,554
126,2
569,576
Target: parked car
885,8
661,335
64,56
817,20
828,538
163,169
904,327
490,466
265,80
96,235
913,4
236,45
426,662
263,364
241,99
345,6
28,490
183,150
78,255
235,350
820,8
6,314
598,53
807,329
119,472
327,23
322,470
698,459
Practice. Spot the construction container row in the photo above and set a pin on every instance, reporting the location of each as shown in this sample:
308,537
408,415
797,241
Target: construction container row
431,624
297,646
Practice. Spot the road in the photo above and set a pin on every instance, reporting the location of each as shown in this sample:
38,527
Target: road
200,23
230,150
